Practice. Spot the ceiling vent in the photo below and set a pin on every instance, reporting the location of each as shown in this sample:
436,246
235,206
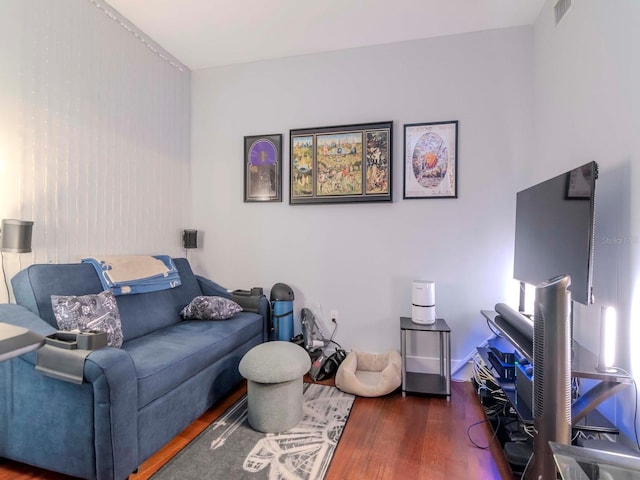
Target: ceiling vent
560,9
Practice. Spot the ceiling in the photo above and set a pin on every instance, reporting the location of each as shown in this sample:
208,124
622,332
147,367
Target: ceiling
208,33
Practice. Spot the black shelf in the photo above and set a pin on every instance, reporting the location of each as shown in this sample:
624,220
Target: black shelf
593,421
428,383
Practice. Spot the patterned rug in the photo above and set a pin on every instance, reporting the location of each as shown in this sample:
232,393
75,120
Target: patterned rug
230,449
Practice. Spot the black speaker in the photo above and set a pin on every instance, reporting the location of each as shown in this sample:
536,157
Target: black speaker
190,239
16,236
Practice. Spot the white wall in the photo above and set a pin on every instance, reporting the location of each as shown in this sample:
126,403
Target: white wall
587,72
360,259
94,133
94,146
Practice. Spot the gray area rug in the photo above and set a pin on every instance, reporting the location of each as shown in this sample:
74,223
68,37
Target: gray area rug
230,449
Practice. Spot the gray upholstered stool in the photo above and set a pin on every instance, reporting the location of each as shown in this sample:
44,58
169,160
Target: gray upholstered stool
274,372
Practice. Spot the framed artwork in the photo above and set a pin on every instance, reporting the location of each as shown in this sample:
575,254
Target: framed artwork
263,168
431,160
348,163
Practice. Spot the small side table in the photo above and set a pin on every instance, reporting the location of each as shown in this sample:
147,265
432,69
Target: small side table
429,383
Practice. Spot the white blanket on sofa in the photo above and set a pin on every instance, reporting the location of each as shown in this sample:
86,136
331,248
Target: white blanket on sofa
135,273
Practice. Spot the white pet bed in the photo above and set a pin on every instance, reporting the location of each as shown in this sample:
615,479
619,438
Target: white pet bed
370,374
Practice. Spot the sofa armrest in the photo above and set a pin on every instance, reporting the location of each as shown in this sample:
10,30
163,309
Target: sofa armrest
115,392
22,317
262,307
211,288
98,418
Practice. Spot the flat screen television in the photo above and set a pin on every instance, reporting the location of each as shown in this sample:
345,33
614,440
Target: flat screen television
555,231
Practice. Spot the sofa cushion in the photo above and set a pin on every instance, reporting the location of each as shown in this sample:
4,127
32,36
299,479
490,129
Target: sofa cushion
34,286
147,312
166,358
89,312
210,308
139,314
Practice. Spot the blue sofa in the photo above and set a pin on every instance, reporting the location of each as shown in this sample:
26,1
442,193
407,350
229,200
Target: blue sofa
133,400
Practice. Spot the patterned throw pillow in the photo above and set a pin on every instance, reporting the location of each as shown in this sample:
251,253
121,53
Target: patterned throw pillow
210,308
89,312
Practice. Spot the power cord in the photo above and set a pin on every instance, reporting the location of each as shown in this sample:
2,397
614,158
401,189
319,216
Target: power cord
4,275
575,389
495,429
331,340
480,422
526,467
488,384
493,330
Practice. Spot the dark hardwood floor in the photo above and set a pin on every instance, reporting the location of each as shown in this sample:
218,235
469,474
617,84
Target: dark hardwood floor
392,437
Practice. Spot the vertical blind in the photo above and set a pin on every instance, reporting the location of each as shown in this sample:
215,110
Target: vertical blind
104,123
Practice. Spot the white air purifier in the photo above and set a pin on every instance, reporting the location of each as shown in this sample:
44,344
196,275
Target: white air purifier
423,302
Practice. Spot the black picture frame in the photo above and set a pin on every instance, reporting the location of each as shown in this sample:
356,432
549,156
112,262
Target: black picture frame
430,160
263,168
341,164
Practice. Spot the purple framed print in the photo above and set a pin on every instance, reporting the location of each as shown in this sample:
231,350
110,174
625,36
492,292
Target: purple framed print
263,168
431,160
347,163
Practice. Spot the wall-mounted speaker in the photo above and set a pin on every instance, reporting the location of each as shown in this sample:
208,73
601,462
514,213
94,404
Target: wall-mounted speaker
190,239
16,236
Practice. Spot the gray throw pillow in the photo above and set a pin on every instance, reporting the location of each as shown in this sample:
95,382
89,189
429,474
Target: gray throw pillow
210,308
89,312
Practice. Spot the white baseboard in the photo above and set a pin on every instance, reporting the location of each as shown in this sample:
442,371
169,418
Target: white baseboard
423,364
432,365
461,370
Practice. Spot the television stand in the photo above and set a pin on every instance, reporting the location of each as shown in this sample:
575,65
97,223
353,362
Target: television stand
584,415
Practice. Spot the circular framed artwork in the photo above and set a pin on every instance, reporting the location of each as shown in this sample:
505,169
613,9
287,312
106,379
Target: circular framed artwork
431,160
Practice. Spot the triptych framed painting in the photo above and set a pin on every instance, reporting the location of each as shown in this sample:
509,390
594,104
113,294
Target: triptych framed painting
348,163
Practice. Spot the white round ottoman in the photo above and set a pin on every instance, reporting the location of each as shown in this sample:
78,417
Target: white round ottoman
274,372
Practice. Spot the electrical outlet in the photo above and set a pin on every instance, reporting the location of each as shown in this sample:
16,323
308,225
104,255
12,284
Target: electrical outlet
334,316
